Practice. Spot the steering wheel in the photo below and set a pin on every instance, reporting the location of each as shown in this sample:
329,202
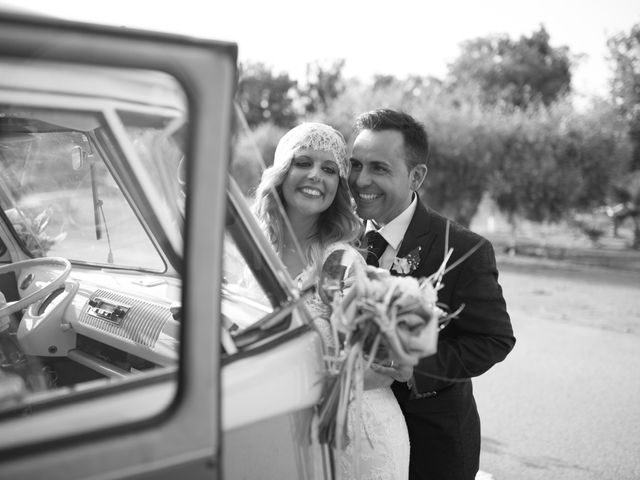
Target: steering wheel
42,292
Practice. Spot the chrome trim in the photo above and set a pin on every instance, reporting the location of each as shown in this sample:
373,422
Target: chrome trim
97,365
142,324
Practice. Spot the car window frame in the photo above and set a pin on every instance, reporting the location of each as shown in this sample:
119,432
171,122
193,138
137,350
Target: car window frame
287,298
196,406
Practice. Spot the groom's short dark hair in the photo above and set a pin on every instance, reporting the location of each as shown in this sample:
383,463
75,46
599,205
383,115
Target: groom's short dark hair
416,140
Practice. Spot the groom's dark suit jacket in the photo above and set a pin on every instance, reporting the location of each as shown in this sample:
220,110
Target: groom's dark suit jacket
441,413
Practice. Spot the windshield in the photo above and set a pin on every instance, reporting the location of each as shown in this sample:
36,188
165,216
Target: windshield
159,145
59,191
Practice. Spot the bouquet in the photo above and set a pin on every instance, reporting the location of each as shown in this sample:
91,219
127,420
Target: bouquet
376,318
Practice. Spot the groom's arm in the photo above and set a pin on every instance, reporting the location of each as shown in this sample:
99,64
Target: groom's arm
479,337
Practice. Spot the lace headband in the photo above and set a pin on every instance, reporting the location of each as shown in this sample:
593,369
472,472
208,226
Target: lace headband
313,136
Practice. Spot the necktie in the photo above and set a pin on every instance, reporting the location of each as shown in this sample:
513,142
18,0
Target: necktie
376,245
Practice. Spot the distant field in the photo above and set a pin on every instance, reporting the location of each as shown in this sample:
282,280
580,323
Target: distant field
490,222
603,297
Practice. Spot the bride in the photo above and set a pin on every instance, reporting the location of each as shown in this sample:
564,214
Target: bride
309,177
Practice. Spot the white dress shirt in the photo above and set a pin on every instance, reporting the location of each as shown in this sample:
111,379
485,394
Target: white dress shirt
393,232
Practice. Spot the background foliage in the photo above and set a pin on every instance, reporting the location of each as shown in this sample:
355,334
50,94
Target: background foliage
502,124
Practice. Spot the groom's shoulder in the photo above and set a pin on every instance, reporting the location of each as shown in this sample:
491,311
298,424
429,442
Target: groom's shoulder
457,231
464,242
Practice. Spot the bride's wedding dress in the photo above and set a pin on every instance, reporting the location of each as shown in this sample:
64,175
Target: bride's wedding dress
384,441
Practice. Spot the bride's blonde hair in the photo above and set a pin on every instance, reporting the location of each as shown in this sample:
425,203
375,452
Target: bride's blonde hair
339,223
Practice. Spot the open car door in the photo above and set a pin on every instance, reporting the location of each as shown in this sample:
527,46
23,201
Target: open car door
120,373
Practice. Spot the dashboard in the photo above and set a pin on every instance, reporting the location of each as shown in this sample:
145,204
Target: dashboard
101,323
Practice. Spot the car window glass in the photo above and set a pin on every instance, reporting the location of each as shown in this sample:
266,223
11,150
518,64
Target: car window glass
244,300
158,139
61,197
249,161
92,205
254,297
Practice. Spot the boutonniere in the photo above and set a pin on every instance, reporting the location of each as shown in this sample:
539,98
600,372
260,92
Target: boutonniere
407,264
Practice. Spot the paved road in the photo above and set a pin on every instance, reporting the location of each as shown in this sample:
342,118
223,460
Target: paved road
566,402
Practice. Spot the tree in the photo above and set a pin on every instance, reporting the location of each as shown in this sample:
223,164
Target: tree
514,72
265,96
554,162
383,81
460,159
252,152
624,50
528,179
324,83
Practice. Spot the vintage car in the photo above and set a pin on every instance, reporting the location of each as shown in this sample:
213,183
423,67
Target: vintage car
147,328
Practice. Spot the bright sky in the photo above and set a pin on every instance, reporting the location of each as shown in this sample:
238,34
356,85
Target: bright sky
398,37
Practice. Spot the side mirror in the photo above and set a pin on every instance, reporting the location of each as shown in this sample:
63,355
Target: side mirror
332,276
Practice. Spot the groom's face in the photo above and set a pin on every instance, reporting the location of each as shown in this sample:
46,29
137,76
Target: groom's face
380,179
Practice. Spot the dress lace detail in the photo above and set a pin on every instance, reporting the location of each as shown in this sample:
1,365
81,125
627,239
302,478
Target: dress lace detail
384,444
384,440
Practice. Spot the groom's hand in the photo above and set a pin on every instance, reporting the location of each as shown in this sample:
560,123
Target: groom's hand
400,373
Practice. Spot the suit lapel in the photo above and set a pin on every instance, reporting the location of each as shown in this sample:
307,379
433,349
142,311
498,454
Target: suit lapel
418,234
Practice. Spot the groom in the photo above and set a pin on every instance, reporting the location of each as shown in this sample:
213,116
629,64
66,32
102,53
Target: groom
388,165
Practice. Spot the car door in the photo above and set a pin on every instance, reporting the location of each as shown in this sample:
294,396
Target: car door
165,423
273,368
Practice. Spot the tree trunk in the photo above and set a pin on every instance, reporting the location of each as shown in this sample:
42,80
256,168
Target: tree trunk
636,232
513,243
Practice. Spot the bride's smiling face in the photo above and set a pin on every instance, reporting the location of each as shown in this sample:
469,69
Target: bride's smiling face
311,182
